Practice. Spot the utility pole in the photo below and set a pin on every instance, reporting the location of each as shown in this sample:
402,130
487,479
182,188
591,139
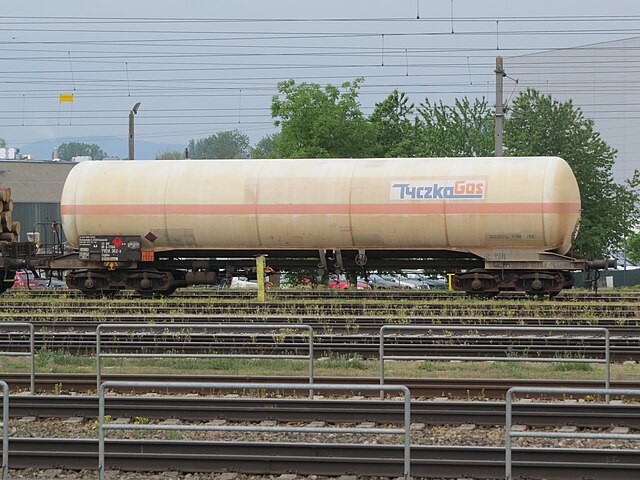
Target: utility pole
133,112
499,105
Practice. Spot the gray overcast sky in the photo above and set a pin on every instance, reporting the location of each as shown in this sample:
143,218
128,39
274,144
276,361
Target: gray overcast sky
199,67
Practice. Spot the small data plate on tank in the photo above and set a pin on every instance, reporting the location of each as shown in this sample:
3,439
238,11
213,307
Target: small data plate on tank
109,248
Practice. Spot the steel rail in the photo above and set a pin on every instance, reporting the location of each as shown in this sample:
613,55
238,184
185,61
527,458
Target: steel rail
374,294
623,348
398,312
420,387
89,320
331,410
323,459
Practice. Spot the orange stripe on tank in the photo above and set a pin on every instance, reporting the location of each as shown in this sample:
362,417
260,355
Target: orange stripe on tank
326,209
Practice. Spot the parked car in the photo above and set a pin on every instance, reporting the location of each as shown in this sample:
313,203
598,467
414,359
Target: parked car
244,283
377,281
390,281
30,281
341,283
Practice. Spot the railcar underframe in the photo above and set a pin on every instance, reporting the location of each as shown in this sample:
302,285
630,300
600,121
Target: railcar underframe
164,272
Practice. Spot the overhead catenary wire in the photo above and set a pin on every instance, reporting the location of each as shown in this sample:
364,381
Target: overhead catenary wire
173,57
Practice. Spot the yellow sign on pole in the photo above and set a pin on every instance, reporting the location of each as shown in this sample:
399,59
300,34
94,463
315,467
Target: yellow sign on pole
260,267
66,97
450,276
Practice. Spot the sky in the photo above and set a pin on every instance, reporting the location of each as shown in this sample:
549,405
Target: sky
200,67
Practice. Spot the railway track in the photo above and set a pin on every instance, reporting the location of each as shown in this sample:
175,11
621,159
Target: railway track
331,294
392,309
334,322
437,343
323,459
484,413
420,387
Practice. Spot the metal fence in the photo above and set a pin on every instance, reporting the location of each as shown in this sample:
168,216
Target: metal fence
32,349
515,329
510,434
166,329
406,430
5,429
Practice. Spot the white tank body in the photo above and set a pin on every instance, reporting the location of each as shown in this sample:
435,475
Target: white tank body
463,204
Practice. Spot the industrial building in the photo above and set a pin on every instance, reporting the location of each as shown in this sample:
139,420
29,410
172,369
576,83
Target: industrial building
36,188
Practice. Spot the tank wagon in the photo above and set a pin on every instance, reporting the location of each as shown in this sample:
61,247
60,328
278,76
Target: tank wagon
154,226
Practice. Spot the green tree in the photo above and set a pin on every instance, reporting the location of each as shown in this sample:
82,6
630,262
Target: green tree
3,143
227,144
170,155
67,151
463,130
633,248
320,122
540,125
394,133
267,147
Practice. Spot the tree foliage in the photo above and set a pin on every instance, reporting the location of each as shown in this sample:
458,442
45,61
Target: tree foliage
170,155
327,122
541,126
67,151
227,144
3,143
320,122
633,248
393,131
465,129
267,147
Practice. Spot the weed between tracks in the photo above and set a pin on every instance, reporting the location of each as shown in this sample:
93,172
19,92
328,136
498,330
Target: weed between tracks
340,365
432,309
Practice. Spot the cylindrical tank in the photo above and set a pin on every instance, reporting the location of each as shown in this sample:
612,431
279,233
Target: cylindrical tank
465,204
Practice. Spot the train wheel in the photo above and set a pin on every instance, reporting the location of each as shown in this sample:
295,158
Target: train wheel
541,284
477,282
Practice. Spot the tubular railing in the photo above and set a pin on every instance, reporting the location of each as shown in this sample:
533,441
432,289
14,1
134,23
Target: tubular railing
515,330
5,429
405,431
32,349
510,433
166,331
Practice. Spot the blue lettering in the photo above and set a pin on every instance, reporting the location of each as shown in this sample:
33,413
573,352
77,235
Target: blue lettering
402,187
428,194
461,190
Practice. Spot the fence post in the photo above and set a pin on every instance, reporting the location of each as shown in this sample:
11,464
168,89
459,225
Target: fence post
32,346
101,465
5,430
382,361
507,439
98,374
607,382
311,360
407,432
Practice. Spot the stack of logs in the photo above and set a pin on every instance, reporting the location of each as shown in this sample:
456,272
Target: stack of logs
9,229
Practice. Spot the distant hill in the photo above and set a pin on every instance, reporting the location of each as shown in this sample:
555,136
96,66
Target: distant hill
42,149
